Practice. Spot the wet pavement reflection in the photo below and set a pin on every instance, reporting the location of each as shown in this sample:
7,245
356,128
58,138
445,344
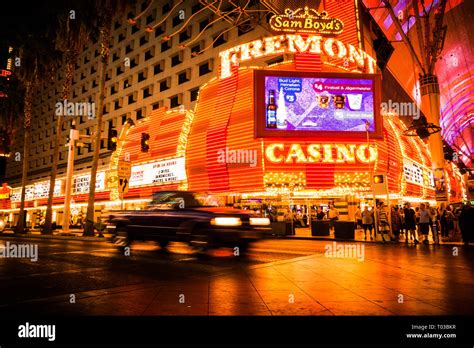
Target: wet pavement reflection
277,277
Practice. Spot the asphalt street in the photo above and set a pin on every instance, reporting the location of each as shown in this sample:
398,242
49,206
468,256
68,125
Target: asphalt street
277,277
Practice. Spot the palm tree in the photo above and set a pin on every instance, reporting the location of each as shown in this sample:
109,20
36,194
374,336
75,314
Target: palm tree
37,63
106,10
71,36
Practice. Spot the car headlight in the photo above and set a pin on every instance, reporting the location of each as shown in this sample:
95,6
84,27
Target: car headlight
226,221
259,221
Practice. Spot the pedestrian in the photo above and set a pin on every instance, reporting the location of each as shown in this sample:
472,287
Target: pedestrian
410,223
442,212
449,217
466,223
367,222
396,222
435,226
424,222
333,215
358,217
382,218
417,219
320,215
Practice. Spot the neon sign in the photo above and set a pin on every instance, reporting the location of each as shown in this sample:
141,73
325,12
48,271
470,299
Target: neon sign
289,43
321,153
310,21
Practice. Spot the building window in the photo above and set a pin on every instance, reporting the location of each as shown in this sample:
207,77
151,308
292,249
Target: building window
115,56
185,34
184,76
129,48
196,8
132,98
144,39
219,40
203,24
165,84
195,50
157,105
175,101
149,54
150,18
193,94
142,75
113,89
177,19
119,71
140,114
166,8
118,104
176,59
165,46
136,27
205,68
127,82
148,92
160,30
158,68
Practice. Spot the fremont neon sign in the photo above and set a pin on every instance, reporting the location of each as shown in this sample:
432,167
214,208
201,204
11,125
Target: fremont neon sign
321,153
290,43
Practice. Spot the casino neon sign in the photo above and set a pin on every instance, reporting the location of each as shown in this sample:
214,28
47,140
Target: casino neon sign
321,153
292,43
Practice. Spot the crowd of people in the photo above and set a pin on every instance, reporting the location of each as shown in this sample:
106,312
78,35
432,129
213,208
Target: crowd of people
416,225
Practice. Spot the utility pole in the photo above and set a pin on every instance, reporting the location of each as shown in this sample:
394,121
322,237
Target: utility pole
430,44
73,137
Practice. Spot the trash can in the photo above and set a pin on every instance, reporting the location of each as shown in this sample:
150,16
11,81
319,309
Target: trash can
344,230
278,228
319,227
289,228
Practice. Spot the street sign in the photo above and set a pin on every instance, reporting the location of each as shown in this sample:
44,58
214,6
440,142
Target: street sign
123,184
124,170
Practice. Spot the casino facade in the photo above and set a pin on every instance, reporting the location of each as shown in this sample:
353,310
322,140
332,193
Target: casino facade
303,130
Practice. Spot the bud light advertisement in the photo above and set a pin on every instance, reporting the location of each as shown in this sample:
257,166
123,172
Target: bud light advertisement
325,104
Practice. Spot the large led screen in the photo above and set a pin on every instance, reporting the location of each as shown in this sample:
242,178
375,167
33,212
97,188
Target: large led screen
295,104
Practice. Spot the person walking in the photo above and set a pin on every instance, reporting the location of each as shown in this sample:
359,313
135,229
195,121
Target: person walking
358,217
333,215
382,218
410,223
424,222
396,222
450,218
367,222
466,223
442,212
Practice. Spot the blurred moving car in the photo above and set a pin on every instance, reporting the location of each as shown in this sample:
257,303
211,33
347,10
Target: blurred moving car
194,218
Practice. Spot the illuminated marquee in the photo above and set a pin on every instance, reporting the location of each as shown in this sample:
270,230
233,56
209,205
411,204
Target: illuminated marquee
309,21
289,43
321,153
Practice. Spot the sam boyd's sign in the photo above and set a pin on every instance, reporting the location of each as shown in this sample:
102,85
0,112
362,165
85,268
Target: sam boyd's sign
306,21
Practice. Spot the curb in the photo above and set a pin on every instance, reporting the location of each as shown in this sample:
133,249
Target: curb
362,241
61,237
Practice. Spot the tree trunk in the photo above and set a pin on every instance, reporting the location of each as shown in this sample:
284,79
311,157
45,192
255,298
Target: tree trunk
105,37
20,228
70,66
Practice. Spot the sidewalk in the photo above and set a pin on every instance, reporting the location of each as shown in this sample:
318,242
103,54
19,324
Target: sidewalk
305,234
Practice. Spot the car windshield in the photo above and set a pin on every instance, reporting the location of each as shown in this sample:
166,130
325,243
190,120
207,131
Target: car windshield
182,200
